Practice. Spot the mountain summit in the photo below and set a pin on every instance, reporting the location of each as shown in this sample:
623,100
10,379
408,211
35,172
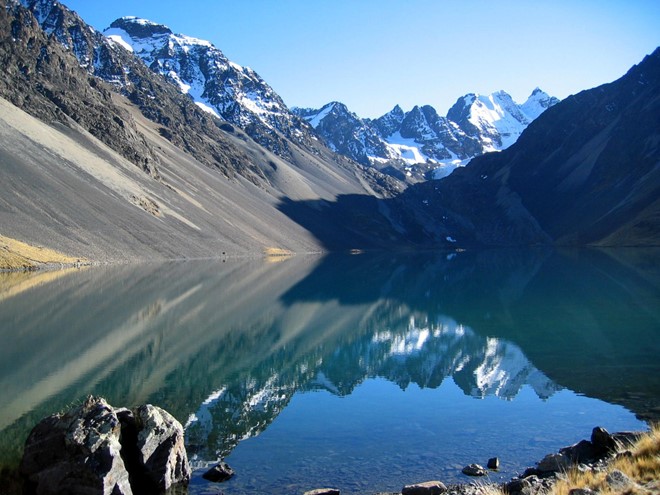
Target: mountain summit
223,88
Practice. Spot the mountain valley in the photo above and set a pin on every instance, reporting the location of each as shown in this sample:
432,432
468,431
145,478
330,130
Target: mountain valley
142,144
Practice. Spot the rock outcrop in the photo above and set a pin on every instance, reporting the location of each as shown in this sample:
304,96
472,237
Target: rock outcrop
96,448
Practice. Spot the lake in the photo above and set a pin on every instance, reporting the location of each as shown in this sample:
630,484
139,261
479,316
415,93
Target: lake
362,372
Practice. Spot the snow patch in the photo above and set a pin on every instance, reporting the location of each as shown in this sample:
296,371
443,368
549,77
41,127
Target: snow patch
315,120
118,40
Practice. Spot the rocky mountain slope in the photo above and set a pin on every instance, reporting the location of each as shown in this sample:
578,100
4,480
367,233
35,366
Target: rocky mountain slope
420,143
587,171
107,159
95,111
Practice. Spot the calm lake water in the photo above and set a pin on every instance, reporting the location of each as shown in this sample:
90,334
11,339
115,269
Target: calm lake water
361,372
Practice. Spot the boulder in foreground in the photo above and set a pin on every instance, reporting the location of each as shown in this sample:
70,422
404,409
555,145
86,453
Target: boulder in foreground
97,448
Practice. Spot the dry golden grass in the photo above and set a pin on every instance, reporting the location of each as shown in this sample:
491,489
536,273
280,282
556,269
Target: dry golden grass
642,467
17,255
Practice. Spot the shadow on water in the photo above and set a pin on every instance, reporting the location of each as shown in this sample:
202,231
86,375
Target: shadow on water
225,347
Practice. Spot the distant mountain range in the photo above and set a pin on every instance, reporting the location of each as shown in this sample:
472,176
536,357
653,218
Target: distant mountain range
144,144
420,144
394,143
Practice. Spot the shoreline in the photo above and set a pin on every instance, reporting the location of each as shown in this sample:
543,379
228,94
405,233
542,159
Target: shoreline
570,470
600,456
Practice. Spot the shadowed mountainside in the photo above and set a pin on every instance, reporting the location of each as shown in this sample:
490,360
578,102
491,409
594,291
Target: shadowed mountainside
585,172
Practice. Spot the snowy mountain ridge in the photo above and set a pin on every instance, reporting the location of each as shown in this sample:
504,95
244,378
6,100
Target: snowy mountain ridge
235,93
420,143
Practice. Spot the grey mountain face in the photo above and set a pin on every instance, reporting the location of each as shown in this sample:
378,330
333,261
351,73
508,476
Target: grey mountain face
180,121
399,142
586,172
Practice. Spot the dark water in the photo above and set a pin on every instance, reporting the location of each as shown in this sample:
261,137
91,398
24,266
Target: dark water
359,372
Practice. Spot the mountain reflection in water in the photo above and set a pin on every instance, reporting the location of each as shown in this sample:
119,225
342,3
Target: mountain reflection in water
226,346
423,355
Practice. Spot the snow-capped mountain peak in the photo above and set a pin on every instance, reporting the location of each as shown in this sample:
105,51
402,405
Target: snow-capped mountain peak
216,84
538,102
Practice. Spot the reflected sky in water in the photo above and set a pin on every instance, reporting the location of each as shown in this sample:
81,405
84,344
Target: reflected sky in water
345,370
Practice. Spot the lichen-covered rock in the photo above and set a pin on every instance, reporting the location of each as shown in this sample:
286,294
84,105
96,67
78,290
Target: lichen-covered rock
97,449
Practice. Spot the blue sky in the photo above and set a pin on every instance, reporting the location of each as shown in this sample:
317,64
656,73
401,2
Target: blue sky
374,54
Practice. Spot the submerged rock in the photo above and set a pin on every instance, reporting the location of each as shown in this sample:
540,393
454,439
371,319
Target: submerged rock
96,448
219,473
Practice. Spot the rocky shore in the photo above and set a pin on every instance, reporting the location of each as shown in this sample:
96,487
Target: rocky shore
593,455
97,448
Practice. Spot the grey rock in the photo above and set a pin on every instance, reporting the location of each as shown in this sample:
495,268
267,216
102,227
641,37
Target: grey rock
474,470
517,486
323,491
493,463
425,488
618,480
219,473
77,453
582,491
626,439
601,439
583,451
162,449
554,462
96,448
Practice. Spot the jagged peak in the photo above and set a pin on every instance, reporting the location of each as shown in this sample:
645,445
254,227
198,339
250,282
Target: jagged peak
500,93
537,91
396,111
137,27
